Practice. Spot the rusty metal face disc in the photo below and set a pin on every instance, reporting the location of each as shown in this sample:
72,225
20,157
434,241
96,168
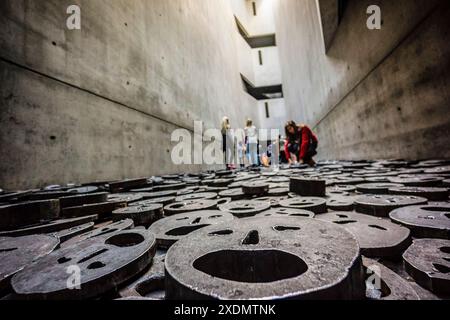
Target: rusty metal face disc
50,227
418,181
279,191
316,205
67,234
245,208
141,215
171,229
432,194
190,205
151,285
103,265
125,197
283,212
17,253
260,258
428,262
255,188
385,284
26,214
100,209
82,199
164,201
427,221
234,194
308,187
103,232
376,188
84,190
197,196
377,237
382,205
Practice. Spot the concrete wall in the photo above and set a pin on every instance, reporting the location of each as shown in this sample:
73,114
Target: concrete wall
101,103
376,93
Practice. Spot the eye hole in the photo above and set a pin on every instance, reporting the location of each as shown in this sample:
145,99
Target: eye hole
221,233
215,217
185,218
96,265
8,250
63,260
342,216
345,222
378,227
282,228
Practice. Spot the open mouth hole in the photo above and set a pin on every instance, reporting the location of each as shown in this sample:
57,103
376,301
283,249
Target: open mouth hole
252,238
125,240
152,288
183,231
256,266
441,268
445,250
300,215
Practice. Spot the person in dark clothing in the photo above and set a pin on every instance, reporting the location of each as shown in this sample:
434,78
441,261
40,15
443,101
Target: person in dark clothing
301,144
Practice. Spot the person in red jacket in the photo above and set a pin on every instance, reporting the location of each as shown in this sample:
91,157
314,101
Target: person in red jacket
301,144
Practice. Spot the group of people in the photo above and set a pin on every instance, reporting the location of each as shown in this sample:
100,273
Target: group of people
299,147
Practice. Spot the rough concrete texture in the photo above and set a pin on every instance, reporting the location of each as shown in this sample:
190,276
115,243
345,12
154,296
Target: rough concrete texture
104,100
376,93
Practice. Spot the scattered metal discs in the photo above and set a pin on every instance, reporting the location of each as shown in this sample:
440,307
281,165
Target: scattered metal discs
17,253
103,266
376,188
245,208
378,238
432,194
382,205
428,262
141,215
316,205
125,197
260,258
171,229
426,221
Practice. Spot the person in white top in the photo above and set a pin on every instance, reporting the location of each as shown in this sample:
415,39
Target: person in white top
251,138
